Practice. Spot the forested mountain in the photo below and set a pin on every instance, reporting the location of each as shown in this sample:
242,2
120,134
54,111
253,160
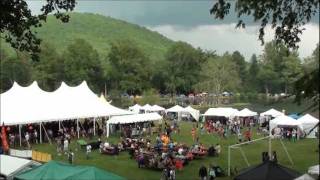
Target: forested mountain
100,31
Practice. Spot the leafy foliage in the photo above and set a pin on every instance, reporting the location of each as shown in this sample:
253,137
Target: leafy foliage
286,17
16,22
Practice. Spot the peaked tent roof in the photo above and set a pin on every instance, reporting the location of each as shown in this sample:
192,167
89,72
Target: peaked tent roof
194,112
267,171
176,108
271,112
157,108
135,108
285,121
146,107
112,110
61,171
10,165
246,113
221,111
23,105
308,119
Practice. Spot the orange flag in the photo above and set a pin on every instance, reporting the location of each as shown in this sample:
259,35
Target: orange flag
5,144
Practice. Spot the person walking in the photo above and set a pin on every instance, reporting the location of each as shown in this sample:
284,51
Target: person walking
203,174
212,172
88,151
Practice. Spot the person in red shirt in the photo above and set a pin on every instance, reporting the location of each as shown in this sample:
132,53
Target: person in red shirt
247,135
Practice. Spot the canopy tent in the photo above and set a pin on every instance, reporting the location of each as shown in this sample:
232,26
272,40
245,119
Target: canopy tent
134,118
308,124
194,112
112,110
157,108
61,171
176,109
24,105
146,108
312,174
267,171
136,108
10,165
246,113
271,112
284,121
221,111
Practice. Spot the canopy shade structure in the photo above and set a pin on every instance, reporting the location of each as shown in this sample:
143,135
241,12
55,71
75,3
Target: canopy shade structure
10,165
136,108
176,109
157,108
61,171
284,121
221,111
134,118
146,108
194,112
267,171
112,110
308,124
245,113
24,105
271,112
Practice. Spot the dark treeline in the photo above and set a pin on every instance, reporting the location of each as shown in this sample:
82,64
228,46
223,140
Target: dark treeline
127,69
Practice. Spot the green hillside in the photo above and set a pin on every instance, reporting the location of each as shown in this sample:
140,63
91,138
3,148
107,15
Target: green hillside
100,31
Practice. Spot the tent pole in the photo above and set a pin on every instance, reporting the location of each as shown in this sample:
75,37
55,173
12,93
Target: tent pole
59,125
94,126
20,135
45,131
270,153
78,127
40,132
229,161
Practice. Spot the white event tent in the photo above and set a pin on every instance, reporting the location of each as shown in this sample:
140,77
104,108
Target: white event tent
272,112
10,166
308,124
176,109
221,111
245,113
112,110
136,108
194,112
284,121
157,108
134,118
146,108
26,105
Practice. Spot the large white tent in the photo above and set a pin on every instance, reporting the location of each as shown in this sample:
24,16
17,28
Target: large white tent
24,105
147,108
134,118
112,110
246,113
272,112
308,123
284,121
221,111
188,110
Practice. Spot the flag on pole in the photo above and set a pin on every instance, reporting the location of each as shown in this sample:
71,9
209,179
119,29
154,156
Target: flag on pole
5,144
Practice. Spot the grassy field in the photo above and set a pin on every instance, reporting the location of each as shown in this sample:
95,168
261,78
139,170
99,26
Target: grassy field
303,154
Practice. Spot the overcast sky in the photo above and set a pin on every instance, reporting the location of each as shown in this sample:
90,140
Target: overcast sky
190,21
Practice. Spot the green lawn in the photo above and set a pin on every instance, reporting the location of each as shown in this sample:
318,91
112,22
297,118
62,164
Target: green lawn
302,152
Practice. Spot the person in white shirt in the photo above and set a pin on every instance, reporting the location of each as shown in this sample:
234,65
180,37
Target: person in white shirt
27,139
88,151
65,145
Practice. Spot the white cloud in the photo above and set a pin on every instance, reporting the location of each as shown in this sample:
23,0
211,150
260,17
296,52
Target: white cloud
225,37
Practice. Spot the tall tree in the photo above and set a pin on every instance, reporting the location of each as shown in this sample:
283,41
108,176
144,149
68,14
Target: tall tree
240,62
81,62
253,72
17,21
129,68
14,69
49,70
285,17
183,67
